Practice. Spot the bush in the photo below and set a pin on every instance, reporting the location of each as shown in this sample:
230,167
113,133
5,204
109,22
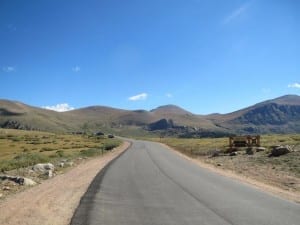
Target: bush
91,152
110,146
60,153
22,160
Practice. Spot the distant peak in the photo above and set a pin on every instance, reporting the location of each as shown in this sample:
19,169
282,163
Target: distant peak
286,100
170,109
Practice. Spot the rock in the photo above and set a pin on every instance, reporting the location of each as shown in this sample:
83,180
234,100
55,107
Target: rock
29,182
233,154
215,153
70,163
260,149
61,164
219,164
49,173
6,188
282,150
249,151
43,167
1,195
275,146
18,180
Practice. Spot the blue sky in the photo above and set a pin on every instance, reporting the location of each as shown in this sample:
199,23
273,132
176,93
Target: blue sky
206,56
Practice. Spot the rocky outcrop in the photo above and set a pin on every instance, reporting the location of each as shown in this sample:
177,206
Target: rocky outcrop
46,169
162,124
271,114
281,150
13,124
43,167
19,180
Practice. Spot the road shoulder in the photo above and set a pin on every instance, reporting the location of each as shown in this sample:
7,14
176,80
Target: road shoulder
278,192
54,201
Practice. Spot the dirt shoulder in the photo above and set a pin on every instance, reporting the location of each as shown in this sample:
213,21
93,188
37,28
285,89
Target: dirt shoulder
54,201
258,179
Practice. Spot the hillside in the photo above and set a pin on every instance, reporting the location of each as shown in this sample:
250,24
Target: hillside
18,115
280,115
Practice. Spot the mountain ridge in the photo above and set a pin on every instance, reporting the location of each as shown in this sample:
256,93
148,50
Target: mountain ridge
279,115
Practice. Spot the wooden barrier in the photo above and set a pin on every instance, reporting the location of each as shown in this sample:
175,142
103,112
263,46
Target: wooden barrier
244,141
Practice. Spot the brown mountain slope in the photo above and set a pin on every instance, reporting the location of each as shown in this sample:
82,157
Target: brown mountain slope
18,115
280,115
182,117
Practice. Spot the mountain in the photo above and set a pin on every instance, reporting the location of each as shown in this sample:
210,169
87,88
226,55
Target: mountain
18,115
280,115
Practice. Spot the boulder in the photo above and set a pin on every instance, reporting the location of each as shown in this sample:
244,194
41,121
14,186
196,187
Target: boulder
282,150
1,195
43,167
233,154
249,151
6,188
260,149
49,173
18,180
215,153
28,182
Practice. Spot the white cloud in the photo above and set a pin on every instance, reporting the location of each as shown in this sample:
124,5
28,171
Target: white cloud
168,95
76,69
8,69
60,107
142,96
294,85
236,13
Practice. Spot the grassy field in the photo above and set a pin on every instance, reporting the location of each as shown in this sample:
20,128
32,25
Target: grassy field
283,171
25,148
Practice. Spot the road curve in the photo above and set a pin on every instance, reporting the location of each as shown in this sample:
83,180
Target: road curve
151,185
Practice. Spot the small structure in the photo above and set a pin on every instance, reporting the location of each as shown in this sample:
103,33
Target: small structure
244,141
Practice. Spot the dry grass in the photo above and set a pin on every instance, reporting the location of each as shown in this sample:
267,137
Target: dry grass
282,172
23,148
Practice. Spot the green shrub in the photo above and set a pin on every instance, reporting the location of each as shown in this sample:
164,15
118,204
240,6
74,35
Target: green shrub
91,152
110,146
60,153
22,160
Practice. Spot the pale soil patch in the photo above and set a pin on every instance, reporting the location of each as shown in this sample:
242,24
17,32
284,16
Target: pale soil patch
54,201
261,178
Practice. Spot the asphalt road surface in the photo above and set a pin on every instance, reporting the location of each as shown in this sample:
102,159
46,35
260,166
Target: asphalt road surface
151,185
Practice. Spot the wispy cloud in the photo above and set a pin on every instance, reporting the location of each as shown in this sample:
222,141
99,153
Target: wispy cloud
8,69
142,96
236,13
294,85
76,69
63,107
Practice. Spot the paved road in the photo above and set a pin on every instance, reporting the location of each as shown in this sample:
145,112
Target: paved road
151,185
